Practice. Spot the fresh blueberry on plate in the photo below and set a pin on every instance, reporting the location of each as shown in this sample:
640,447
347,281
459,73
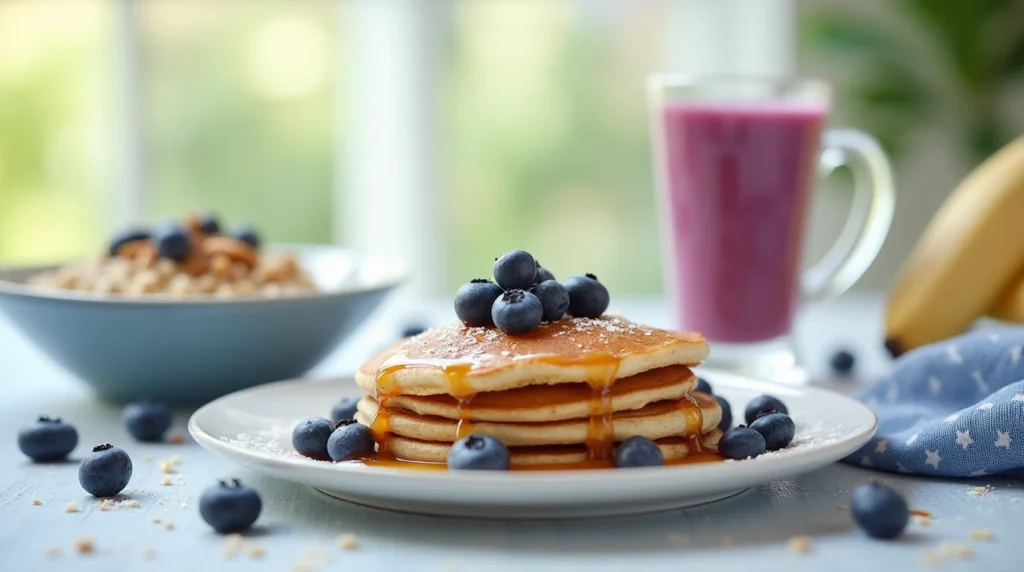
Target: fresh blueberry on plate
230,506
703,386
349,440
588,298
517,312
47,440
842,362
726,421
248,235
777,429
554,299
879,510
123,238
208,224
345,408
543,274
638,451
479,453
474,300
309,438
515,270
106,471
147,420
172,241
741,443
763,404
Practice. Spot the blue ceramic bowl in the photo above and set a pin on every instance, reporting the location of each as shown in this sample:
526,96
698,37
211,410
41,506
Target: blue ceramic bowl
191,351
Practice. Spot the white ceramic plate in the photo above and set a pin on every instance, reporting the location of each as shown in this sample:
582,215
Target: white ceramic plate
253,427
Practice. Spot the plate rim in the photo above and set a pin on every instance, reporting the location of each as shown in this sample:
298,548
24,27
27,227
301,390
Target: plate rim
858,437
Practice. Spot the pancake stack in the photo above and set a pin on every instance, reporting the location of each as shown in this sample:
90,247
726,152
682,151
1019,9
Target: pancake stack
563,394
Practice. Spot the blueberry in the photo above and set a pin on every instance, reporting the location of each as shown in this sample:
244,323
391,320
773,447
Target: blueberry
726,421
741,443
309,437
479,453
515,269
147,420
123,238
638,451
763,404
248,235
344,409
517,312
543,274
173,241
703,386
349,440
47,440
879,510
473,302
588,298
208,224
554,300
230,506
776,428
106,471
842,362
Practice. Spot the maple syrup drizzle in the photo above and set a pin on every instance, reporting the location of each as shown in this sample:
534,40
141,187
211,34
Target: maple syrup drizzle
388,461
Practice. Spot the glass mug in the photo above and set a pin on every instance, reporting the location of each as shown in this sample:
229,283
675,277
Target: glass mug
735,161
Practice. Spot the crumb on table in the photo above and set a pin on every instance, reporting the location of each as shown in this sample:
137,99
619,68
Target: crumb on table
169,525
980,491
919,512
982,535
52,551
256,552
232,546
36,502
921,520
71,507
800,544
166,481
947,551
348,542
84,545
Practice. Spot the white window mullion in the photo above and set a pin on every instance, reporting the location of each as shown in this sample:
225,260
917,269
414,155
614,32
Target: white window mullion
128,197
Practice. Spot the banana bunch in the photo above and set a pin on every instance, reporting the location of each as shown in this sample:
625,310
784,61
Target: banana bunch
970,260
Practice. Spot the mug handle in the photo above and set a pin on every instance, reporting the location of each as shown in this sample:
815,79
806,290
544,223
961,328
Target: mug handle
871,213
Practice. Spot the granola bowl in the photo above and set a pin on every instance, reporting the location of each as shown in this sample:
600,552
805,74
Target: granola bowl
189,349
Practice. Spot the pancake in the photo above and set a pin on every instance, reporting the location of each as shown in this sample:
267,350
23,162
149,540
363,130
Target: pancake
681,417
534,404
461,361
673,448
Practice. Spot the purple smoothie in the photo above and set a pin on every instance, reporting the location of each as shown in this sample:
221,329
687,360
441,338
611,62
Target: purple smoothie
735,185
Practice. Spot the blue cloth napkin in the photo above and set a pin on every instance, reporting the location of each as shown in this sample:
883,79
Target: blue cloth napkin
951,409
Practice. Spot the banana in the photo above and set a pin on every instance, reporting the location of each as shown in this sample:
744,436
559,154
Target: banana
1010,306
970,254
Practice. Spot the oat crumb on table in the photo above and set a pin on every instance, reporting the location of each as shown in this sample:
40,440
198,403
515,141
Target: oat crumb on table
920,519
232,546
800,544
843,507
52,551
176,440
348,542
982,535
156,521
166,481
256,552
84,545
106,504
36,502
148,553
147,458
71,507
947,551
980,491
165,466
169,525
919,512
133,503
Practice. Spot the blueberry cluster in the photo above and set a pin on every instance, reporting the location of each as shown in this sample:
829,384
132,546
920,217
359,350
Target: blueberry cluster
769,426
524,294
174,240
324,440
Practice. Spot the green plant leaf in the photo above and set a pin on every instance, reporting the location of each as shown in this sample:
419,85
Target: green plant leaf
839,33
1014,62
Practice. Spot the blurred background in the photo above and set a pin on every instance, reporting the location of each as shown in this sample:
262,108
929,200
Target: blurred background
448,131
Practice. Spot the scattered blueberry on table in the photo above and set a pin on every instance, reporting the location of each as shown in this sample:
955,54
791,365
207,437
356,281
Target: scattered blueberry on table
880,511
479,453
726,421
777,429
106,471
309,437
638,451
474,300
588,298
554,299
147,420
763,404
345,408
741,443
842,362
47,440
230,506
703,386
517,312
172,241
349,440
515,270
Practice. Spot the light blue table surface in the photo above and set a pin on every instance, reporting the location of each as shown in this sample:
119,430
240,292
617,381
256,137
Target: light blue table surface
299,528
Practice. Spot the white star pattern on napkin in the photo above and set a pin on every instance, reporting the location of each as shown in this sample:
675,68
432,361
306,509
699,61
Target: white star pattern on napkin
932,458
1003,439
963,438
881,445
